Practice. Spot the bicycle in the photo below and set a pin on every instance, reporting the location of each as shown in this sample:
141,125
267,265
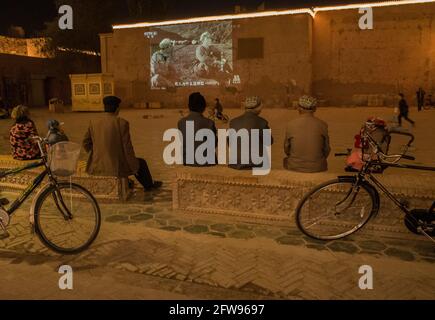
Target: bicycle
212,116
338,208
65,216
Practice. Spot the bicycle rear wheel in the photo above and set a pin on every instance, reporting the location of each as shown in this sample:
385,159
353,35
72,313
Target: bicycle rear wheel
336,209
67,218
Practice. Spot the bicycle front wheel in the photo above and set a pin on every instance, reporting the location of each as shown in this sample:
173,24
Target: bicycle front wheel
67,218
336,209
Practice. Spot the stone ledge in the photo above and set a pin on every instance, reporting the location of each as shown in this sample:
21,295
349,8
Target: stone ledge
103,188
272,199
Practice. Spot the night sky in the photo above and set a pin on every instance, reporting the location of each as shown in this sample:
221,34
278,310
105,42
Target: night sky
31,15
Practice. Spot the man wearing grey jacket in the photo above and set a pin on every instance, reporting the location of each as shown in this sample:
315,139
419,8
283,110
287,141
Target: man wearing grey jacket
250,120
307,141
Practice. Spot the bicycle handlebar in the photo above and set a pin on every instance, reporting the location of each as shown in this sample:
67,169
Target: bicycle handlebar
408,134
408,157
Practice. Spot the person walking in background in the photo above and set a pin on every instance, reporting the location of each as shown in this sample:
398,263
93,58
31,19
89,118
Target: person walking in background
307,141
110,149
218,109
404,110
420,98
23,148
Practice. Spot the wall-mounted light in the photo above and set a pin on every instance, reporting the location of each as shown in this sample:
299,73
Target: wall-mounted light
371,5
216,18
311,11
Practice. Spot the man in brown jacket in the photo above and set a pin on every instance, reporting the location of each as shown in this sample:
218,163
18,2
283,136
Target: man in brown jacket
307,141
110,149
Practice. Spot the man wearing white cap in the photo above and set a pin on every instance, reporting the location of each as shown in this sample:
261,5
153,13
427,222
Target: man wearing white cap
249,120
307,141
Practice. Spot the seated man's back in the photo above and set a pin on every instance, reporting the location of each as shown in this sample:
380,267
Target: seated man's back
110,149
197,105
249,120
307,143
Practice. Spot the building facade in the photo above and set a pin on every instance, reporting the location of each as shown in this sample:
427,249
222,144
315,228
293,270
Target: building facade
322,52
31,74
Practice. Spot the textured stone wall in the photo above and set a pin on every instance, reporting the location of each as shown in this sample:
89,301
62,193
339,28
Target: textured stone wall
35,47
13,46
274,198
327,55
369,67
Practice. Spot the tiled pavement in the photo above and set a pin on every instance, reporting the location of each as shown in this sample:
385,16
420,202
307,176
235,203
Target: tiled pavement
257,266
146,238
153,210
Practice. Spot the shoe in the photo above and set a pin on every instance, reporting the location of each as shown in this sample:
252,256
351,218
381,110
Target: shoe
156,185
130,184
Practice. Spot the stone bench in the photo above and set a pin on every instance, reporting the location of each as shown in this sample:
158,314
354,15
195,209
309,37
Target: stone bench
104,188
272,199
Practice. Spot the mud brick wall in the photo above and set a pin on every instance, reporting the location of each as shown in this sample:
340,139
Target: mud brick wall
13,46
352,66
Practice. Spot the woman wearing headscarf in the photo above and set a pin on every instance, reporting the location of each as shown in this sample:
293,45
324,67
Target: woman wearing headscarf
23,148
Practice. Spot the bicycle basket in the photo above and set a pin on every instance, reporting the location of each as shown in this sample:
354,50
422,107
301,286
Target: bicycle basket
63,158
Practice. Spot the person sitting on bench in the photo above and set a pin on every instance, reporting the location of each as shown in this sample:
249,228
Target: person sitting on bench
110,149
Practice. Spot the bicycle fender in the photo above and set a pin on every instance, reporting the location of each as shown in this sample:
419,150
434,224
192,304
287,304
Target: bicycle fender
33,206
369,187
346,178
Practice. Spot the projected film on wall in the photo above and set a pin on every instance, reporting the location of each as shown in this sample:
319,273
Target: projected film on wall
188,55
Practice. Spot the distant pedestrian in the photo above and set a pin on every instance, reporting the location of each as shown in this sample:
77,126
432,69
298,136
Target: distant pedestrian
218,109
404,110
420,98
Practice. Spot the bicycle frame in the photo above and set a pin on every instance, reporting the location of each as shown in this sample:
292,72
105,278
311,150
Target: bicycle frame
31,187
365,172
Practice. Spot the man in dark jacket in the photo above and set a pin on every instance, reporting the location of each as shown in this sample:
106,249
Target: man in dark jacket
249,120
404,110
195,118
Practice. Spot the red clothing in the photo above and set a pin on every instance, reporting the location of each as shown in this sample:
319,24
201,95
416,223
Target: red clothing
22,148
